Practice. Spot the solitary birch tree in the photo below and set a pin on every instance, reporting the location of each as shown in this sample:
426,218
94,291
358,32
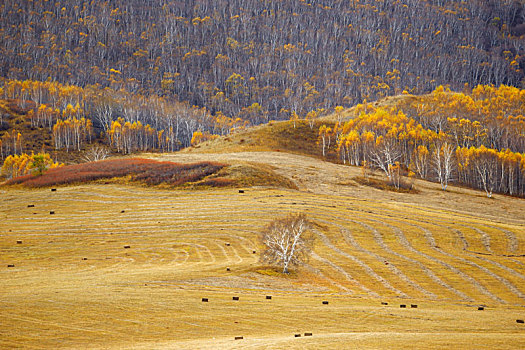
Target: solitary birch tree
285,241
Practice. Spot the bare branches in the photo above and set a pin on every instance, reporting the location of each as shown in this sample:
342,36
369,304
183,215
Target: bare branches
96,152
285,241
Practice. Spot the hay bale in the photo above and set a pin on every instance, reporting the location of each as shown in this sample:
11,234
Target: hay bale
297,335
127,247
268,297
325,302
51,212
308,334
253,251
84,258
402,306
227,244
384,303
18,242
481,308
122,211
11,265
30,205
520,321
204,300
413,306
227,269
53,190
241,191
235,298
239,338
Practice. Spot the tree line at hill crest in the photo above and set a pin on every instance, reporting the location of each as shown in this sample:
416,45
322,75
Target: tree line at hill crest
260,60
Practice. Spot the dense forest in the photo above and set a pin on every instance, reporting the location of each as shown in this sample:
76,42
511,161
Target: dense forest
144,75
260,59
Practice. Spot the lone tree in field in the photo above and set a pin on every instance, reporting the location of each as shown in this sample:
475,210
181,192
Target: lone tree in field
285,241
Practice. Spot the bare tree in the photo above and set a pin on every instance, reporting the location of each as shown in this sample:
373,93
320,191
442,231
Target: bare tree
96,153
285,241
443,163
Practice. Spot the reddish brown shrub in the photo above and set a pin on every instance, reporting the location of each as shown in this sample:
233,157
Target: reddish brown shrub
145,170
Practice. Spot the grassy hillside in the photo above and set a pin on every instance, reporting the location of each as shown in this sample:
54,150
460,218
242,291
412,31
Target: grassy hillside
133,263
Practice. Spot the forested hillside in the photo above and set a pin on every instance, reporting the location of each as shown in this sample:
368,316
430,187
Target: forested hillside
258,59
474,138
141,75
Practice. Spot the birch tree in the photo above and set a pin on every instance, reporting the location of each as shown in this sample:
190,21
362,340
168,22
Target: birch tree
285,241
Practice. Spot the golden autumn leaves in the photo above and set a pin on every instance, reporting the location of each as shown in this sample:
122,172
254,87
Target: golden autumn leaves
476,138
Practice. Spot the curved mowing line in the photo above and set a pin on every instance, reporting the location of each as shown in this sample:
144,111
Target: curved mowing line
430,239
378,238
221,248
322,275
404,242
342,271
461,236
513,243
367,268
391,266
235,253
485,238
503,280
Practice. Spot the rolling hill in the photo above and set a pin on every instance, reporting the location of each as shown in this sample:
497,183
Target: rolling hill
134,262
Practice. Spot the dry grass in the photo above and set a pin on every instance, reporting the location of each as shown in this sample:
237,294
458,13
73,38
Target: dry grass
74,285
276,136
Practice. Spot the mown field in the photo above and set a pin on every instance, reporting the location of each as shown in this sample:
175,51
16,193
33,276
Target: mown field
119,266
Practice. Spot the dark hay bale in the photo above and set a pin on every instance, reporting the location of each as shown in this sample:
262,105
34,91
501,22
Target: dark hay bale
204,300
241,191
481,308
325,302
51,212
413,306
403,306
18,242
84,258
384,303
297,335
308,334
122,211
11,265
235,298
520,321
227,244
127,247
239,338
268,297
53,190
253,252
30,205
227,269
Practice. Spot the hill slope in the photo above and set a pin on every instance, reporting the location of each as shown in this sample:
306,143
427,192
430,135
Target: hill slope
446,253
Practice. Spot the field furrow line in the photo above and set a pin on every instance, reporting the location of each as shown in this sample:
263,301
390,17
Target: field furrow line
378,238
404,242
430,239
485,238
221,248
349,238
501,279
323,276
367,268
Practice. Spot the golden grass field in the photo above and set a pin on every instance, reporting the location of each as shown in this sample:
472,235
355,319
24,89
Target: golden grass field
75,286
